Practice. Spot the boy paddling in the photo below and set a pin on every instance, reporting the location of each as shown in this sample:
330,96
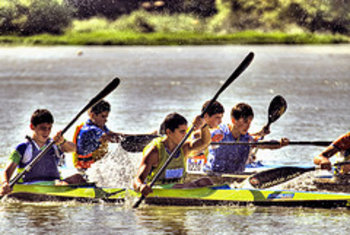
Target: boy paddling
93,136
157,152
46,169
342,145
232,158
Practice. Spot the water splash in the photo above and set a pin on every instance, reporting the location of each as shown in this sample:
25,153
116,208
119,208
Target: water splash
116,169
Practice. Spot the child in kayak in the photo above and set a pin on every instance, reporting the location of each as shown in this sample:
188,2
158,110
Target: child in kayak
213,117
92,137
46,169
342,145
233,158
157,152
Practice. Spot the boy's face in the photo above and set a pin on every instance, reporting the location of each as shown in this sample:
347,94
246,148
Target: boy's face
214,120
178,134
100,119
42,131
242,124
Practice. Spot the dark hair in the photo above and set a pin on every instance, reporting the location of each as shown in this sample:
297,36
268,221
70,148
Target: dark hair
171,122
215,108
242,110
101,107
41,116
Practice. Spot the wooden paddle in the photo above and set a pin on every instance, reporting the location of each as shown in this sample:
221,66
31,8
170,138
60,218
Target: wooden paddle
272,177
108,89
316,143
239,70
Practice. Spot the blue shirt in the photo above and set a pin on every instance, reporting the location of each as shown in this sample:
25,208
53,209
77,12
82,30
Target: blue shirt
228,158
88,139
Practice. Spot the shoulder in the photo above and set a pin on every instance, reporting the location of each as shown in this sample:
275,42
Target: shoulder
222,128
21,148
343,142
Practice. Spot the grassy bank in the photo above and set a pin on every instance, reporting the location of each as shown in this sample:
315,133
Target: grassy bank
108,37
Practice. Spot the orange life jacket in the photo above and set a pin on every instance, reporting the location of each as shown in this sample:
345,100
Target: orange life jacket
81,161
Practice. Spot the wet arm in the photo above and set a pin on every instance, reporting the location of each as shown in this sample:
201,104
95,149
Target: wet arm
148,161
323,158
5,186
10,168
198,144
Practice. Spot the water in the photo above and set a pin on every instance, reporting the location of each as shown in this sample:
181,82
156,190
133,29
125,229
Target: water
155,81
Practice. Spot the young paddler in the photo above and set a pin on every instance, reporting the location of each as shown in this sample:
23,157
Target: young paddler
157,152
46,169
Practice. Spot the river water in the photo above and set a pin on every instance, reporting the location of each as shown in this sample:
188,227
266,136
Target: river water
154,82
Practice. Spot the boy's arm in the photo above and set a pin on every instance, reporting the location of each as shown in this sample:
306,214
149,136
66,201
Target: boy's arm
5,187
149,160
283,142
66,146
323,158
198,144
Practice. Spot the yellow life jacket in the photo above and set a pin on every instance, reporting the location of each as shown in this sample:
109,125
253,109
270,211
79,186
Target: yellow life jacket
174,172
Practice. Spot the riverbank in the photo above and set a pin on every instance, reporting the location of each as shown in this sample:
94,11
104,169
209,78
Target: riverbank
108,37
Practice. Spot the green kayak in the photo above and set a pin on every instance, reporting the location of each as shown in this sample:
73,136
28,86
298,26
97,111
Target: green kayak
166,195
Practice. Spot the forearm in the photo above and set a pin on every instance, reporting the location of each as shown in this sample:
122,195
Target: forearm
202,142
68,146
10,168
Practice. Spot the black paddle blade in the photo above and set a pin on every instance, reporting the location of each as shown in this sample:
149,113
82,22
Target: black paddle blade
108,89
136,143
238,71
269,178
277,108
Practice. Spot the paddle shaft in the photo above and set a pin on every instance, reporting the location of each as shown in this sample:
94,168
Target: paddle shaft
108,89
244,64
316,143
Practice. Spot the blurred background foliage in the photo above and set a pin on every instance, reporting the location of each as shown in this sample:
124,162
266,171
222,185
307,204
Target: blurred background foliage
30,17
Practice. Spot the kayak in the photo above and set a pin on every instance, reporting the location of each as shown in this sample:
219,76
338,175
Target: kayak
47,191
166,195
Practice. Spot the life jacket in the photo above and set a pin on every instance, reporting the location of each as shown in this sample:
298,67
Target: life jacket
46,169
174,172
85,161
228,158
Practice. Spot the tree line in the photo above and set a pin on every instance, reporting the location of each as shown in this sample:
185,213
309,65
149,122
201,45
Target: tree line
30,17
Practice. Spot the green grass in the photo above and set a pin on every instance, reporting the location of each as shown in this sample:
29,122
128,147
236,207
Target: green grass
112,37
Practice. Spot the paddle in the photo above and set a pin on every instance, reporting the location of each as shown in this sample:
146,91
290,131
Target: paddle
277,108
272,177
136,143
108,89
240,69
316,143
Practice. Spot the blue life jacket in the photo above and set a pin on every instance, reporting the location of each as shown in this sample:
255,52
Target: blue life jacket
228,158
46,169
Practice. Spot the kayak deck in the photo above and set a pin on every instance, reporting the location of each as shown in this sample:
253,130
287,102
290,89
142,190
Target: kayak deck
212,196
81,193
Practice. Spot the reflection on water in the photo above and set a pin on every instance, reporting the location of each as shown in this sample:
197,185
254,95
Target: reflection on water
155,81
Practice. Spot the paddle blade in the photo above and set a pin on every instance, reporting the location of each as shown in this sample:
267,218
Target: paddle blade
272,177
136,143
238,71
277,108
